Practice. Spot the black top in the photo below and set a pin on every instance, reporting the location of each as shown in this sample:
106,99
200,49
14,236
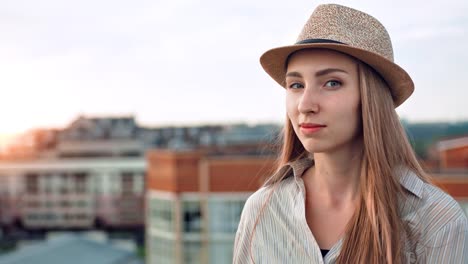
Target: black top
324,252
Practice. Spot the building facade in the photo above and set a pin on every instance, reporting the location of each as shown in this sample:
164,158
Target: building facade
92,173
194,204
73,193
453,153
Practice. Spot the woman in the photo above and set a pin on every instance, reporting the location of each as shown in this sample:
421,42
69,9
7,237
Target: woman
348,188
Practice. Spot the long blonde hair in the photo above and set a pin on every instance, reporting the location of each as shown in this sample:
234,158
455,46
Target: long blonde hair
375,233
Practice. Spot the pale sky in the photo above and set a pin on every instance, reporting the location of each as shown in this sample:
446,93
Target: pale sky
183,62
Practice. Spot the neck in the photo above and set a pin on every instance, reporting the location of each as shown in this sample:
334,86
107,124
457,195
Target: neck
335,176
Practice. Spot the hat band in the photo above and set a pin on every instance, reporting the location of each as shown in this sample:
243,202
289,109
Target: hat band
308,41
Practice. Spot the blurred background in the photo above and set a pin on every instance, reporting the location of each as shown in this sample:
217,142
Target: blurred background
134,132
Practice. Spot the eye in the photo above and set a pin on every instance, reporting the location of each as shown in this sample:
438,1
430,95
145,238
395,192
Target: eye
295,86
333,83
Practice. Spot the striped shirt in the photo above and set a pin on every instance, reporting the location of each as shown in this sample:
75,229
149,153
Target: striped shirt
436,221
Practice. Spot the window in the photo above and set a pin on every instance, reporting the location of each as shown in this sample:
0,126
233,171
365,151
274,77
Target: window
63,183
65,203
139,183
80,182
48,183
225,215
162,250
67,217
192,216
221,252
32,180
34,204
82,216
162,214
127,182
32,217
128,204
50,216
192,252
81,203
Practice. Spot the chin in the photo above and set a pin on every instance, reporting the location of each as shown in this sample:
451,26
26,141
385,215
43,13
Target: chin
313,145
316,148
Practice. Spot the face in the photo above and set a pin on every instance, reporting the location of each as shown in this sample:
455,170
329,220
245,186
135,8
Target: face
323,100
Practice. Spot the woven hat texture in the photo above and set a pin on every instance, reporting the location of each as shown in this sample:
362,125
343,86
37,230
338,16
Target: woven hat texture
348,31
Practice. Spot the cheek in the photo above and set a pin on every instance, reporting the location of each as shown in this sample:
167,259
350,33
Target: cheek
351,118
346,112
358,116
291,106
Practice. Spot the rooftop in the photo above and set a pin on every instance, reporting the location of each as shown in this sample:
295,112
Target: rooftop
71,249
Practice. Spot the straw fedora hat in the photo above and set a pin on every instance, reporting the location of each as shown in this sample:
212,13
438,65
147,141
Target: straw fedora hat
349,31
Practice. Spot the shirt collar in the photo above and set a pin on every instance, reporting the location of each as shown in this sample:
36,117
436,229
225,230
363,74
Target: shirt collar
408,179
300,165
411,181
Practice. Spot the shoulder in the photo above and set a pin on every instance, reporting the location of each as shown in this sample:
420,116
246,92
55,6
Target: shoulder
427,206
442,212
431,209
437,223
439,208
445,226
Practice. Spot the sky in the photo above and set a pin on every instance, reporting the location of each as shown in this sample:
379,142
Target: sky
187,62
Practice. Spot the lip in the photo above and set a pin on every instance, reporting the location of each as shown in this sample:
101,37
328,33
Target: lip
310,128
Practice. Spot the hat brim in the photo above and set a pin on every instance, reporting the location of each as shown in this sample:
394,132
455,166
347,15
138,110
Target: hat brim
274,63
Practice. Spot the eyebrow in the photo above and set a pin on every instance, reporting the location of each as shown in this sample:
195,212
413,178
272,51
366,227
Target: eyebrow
317,74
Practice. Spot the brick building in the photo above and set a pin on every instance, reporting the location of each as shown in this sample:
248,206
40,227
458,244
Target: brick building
453,153
452,171
194,204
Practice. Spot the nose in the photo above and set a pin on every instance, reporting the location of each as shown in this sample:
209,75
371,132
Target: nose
309,101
